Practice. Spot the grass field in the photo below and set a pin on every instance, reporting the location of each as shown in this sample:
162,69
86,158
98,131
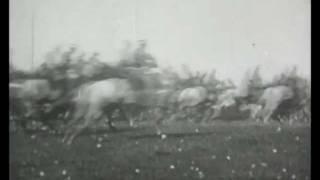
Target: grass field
223,150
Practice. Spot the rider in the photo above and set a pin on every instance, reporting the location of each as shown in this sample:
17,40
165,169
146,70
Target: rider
64,68
143,59
94,58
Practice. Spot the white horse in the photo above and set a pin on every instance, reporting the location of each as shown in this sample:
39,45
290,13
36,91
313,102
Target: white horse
98,100
191,100
31,91
270,100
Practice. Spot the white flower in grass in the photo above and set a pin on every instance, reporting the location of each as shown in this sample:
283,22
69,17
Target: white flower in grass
228,158
278,177
250,173
274,150
137,171
191,168
213,157
33,136
284,170
56,162
179,149
64,172
233,171
201,174
293,176
253,166
163,136
263,164
197,130
196,169
279,129
41,173
172,166
297,138
99,145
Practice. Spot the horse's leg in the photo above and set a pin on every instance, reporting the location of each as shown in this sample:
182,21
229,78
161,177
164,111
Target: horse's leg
192,113
262,111
99,118
123,112
69,128
185,112
171,110
188,113
77,131
110,120
206,116
259,115
180,112
136,118
158,120
165,114
80,112
155,118
170,115
217,113
139,115
253,114
306,114
91,117
29,109
265,114
269,109
200,112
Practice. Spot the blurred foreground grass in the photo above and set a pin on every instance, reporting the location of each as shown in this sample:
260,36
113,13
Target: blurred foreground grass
223,150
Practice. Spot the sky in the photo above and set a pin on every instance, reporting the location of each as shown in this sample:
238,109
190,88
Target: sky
230,36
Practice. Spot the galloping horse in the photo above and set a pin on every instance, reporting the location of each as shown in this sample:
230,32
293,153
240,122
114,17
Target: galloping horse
98,100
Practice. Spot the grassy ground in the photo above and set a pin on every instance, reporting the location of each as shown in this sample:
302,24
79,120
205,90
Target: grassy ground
233,150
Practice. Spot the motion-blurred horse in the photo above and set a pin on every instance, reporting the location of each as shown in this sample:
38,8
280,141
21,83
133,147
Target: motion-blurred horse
98,100
191,101
271,99
31,95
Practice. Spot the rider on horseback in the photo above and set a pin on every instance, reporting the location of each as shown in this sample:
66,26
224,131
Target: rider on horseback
143,59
